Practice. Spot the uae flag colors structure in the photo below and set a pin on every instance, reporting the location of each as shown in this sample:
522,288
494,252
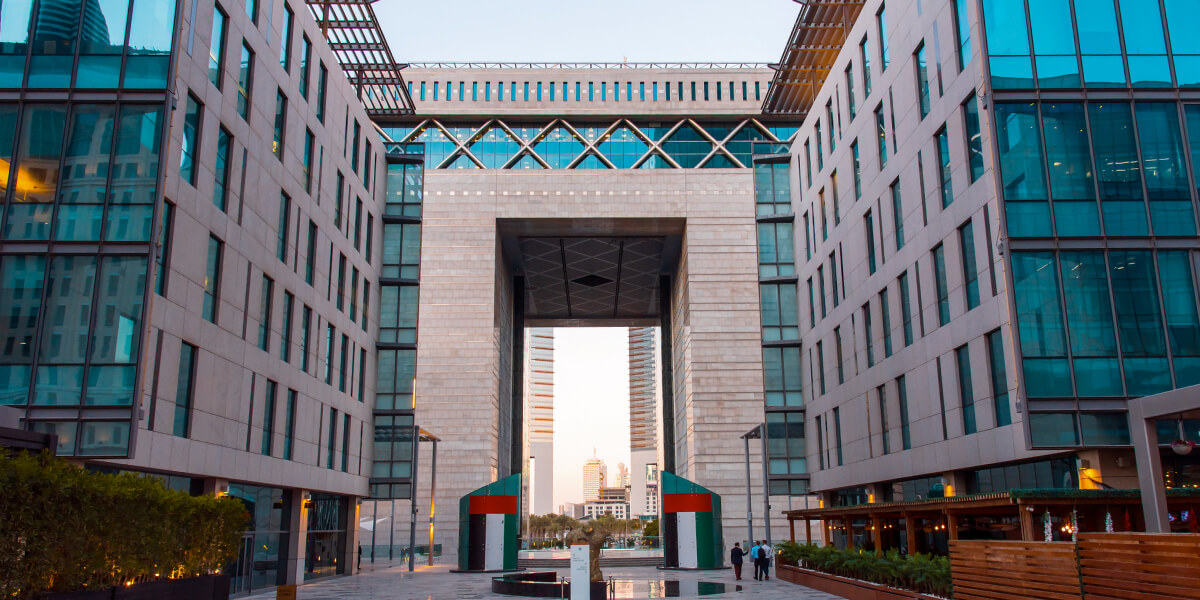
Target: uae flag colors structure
488,522
691,525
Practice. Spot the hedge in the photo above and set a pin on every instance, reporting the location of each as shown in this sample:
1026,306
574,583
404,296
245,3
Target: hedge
924,573
63,528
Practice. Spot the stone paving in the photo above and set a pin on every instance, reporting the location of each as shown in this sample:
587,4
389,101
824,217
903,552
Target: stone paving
438,583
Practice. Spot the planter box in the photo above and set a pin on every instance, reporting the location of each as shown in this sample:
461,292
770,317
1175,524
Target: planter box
205,587
851,589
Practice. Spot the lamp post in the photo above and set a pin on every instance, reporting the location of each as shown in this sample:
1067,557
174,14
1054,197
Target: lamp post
757,433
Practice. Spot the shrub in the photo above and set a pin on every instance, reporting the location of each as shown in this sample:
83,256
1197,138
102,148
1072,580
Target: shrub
63,528
924,573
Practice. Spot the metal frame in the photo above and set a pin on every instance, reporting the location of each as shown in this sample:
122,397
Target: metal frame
581,65
814,45
590,148
354,35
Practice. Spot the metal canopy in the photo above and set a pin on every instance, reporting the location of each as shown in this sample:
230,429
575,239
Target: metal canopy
818,37
354,35
592,277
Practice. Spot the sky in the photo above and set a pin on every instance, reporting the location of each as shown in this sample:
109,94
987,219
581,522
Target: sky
591,404
575,31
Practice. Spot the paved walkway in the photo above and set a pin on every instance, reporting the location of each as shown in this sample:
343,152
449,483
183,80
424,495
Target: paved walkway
437,583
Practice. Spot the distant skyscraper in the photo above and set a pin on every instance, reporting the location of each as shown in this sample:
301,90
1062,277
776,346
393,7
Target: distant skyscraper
643,411
622,475
539,400
595,475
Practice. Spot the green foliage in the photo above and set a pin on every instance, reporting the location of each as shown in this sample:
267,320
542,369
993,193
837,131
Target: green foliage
63,528
650,529
924,573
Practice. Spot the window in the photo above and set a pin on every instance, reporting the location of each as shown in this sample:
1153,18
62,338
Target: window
307,161
342,361
837,432
345,443
1168,193
966,239
839,359
341,283
1022,174
282,227
184,391
906,309
869,226
974,139
192,120
280,124
820,444
305,334
781,376
216,47
966,394
162,256
268,426
881,135
884,59
820,153
354,147
902,396
870,342
1117,169
401,250
852,104
785,443
857,170
1069,156
1041,324
285,43
821,365
897,214
245,81
886,321
943,154
305,59
327,373
212,280
331,440
812,306
775,250
779,313
833,277
358,211
370,237
289,424
362,373
322,83
821,282
808,162
943,292
366,303
995,347
264,313
221,168
353,293
285,328
829,120
922,70
962,33
881,393
865,54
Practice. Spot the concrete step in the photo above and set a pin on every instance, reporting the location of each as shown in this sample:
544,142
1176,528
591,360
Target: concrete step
564,563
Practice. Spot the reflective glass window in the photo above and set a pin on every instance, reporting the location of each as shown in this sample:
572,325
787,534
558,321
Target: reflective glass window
1104,429
221,168
21,281
83,189
902,396
1054,43
15,18
886,321
881,136
966,393
1089,312
942,289
162,257
189,154
104,438
184,388
212,280
1145,47
285,42
1167,187
280,124
1183,327
1008,44
974,138
1053,429
922,69
283,224
962,33
245,85
216,50
781,376
999,379
1182,16
897,214
1022,171
305,62
869,226
966,239
945,169
265,302
1041,325
776,250
1070,168
1100,44
401,250
37,173
1139,322
906,312
779,312
1117,169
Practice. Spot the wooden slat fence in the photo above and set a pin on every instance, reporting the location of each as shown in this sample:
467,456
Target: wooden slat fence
1139,566
1014,570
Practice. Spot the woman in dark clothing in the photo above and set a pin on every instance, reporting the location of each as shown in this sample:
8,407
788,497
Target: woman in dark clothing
735,557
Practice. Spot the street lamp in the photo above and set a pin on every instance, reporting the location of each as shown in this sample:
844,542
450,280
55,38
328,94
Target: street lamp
757,433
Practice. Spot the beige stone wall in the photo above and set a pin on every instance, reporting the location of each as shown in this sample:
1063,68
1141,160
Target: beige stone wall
717,343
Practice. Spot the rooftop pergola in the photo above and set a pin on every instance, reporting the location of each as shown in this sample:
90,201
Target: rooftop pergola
817,38
355,37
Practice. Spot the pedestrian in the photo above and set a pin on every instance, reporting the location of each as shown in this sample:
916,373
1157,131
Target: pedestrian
764,554
735,557
360,557
754,558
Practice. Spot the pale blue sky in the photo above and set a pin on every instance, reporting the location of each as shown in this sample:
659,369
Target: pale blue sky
598,31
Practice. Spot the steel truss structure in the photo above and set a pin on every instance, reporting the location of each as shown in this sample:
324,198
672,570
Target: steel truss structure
590,147
818,37
354,35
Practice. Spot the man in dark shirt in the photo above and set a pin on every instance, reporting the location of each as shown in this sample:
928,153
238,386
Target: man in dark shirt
735,557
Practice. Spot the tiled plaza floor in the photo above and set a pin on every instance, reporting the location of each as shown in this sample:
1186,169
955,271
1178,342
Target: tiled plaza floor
438,583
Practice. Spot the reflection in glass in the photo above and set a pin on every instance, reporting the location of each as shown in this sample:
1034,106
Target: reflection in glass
1167,186
1117,168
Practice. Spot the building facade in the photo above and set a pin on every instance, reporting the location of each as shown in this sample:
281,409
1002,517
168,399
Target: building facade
595,478
643,416
189,259
1011,252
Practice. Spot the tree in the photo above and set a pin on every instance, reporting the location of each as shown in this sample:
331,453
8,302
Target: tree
650,529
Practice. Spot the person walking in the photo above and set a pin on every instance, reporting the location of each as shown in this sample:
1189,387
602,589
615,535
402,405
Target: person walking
754,558
735,558
764,555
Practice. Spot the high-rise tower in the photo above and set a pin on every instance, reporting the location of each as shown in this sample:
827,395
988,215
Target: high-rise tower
595,474
539,398
643,411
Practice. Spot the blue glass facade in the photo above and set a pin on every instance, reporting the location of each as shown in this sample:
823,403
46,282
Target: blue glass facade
564,144
80,184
